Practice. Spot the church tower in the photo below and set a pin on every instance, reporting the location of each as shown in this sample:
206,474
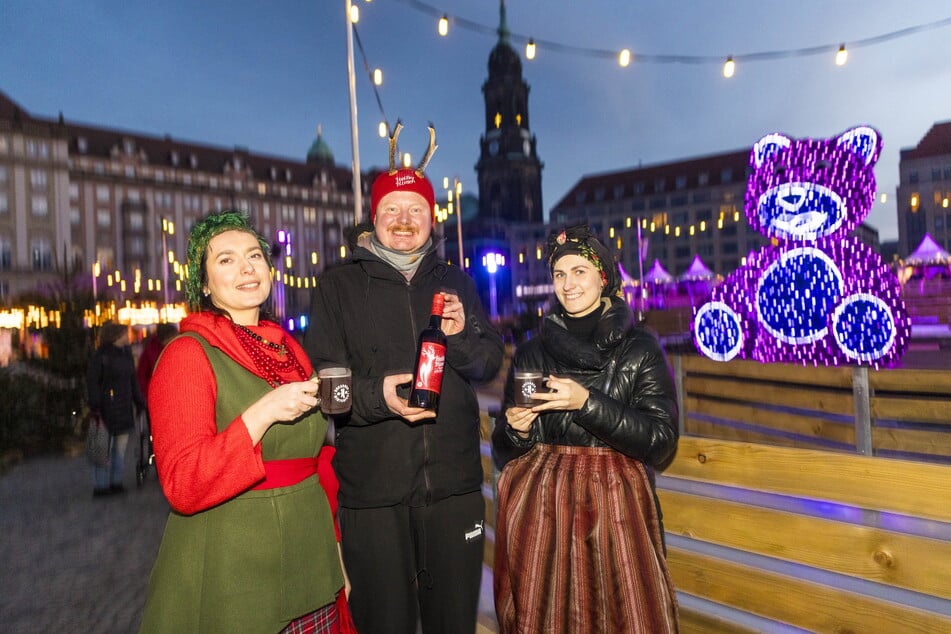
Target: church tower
509,170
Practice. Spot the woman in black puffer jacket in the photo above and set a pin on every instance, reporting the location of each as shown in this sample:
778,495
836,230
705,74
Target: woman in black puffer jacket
112,391
579,544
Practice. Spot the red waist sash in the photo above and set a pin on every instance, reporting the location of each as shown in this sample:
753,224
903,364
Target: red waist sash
284,473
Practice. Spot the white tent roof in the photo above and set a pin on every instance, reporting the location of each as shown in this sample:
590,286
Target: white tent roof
658,275
928,252
697,271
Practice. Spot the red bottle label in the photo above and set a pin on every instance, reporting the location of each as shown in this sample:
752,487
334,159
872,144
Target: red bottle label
432,361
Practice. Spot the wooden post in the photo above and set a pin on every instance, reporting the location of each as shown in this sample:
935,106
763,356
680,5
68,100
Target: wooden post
863,411
679,381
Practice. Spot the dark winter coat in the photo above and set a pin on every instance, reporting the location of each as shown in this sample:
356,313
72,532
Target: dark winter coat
112,388
366,315
632,402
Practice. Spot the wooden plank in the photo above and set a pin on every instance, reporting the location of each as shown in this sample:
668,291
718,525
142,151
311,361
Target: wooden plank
694,622
918,381
913,488
931,443
905,561
918,410
805,397
803,425
706,429
811,606
779,372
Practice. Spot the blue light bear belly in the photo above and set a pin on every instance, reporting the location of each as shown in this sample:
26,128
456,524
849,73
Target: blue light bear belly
814,295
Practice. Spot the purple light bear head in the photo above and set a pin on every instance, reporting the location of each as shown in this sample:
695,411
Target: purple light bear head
801,190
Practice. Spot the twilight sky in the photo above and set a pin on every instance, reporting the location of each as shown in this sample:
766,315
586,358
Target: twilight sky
263,75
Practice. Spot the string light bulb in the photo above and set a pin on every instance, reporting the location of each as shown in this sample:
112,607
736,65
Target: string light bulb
624,58
354,13
530,49
407,160
729,67
382,129
377,77
841,56
444,25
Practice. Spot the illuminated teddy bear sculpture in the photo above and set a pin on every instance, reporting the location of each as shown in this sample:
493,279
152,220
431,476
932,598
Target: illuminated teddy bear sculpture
815,295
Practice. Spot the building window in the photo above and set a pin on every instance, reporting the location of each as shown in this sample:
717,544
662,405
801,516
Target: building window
703,179
6,254
74,191
38,179
74,216
136,246
136,221
4,144
726,175
103,218
935,173
4,205
659,184
129,171
102,193
913,176
41,255
681,182
82,144
40,206
37,149
3,175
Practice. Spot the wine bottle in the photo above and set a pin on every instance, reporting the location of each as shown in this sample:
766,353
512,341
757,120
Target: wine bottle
430,360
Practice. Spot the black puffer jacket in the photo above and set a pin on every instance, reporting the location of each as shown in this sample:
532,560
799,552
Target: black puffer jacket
365,315
632,402
112,388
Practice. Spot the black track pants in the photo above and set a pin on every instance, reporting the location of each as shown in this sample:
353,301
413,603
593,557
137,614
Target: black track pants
410,562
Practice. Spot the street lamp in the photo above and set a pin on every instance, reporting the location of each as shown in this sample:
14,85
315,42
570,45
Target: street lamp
457,190
168,229
492,261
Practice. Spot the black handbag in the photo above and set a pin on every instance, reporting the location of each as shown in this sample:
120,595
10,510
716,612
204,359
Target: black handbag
97,441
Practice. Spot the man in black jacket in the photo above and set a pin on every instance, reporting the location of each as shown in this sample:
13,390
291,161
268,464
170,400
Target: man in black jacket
411,508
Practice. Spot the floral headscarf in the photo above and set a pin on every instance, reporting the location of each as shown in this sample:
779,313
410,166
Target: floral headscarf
579,240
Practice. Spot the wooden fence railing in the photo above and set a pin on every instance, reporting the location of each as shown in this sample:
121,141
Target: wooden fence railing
805,499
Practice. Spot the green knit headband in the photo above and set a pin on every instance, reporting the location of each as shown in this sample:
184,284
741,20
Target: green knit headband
198,238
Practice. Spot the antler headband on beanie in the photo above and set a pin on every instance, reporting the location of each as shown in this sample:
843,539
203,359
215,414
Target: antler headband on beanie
405,179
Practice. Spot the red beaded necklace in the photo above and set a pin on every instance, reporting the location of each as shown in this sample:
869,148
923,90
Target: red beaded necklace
262,351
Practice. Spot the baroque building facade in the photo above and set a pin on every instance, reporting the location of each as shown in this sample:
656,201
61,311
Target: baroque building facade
924,190
97,198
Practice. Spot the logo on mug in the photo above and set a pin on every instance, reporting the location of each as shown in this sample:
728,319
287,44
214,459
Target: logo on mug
528,389
342,393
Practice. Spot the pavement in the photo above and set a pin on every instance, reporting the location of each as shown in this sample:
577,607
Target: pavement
69,562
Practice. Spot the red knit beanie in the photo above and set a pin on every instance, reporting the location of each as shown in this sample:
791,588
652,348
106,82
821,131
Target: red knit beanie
404,180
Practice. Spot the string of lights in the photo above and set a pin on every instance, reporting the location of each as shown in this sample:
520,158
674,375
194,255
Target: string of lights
625,56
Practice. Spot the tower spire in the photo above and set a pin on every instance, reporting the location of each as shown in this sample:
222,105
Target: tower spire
503,25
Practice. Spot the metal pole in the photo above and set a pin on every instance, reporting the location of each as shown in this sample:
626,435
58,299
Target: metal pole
354,140
165,266
458,187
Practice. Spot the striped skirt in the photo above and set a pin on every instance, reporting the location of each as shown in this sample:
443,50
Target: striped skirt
578,545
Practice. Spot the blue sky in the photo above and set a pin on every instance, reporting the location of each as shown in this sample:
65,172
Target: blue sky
264,75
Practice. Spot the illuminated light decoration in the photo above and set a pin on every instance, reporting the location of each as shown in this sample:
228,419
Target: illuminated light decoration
815,294
624,58
719,331
841,56
729,67
444,25
530,49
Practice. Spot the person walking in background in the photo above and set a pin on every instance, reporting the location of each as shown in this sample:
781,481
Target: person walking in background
411,507
250,544
150,353
579,540
113,393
